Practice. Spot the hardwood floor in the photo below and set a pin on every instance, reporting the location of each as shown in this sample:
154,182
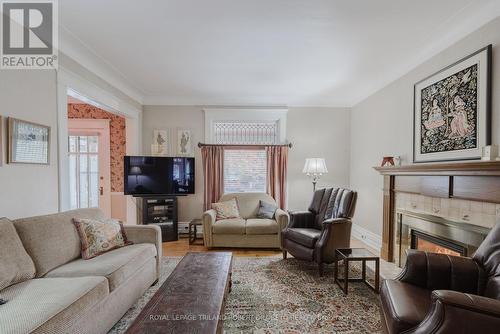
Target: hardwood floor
181,247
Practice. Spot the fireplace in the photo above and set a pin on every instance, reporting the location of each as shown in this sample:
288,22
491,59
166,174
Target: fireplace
414,230
429,243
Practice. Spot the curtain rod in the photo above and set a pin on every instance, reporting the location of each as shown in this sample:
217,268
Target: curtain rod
243,145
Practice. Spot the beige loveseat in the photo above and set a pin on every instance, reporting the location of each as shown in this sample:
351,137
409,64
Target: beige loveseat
62,293
247,231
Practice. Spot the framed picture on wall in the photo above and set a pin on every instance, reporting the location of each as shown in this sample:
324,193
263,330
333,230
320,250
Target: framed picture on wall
28,142
452,111
160,143
184,142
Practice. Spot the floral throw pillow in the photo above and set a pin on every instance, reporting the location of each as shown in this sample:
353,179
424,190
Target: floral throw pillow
97,237
226,210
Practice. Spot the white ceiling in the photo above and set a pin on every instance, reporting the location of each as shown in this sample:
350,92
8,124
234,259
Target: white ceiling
264,52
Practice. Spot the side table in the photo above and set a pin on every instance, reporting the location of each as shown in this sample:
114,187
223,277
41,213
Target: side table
192,230
355,254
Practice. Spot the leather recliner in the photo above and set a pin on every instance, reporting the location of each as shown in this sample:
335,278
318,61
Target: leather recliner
438,293
313,235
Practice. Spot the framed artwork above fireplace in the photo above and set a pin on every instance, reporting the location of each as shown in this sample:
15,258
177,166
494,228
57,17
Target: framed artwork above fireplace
452,111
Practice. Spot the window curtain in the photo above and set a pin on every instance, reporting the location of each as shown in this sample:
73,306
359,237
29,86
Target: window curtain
213,172
277,166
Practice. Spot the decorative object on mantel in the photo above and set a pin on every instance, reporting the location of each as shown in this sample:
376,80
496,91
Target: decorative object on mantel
315,168
387,161
28,142
397,161
490,153
452,111
184,142
160,143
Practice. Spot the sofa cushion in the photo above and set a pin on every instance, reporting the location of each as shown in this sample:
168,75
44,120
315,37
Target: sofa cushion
229,226
266,210
261,226
15,264
248,203
52,240
305,236
226,210
117,265
32,303
405,305
98,237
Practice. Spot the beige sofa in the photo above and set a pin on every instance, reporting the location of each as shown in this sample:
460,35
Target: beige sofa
247,231
61,293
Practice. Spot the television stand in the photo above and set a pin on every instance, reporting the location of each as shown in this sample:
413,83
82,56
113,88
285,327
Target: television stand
161,211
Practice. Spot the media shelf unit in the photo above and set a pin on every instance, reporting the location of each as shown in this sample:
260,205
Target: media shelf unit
161,211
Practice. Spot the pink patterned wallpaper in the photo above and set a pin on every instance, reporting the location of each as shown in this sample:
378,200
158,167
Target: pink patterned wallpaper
117,138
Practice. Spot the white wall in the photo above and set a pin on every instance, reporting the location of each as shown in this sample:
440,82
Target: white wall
322,132
27,190
383,123
317,133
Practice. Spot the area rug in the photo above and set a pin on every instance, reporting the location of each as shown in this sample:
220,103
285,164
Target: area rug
272,295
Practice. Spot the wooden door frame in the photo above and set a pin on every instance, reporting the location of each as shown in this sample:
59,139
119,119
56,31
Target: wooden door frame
101,126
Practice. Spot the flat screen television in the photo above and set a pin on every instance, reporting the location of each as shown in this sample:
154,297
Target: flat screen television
158,175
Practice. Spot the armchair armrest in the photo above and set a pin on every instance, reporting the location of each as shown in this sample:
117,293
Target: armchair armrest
331,221
208,218
151,234
456,312
282,219
336,233
442,272
300,219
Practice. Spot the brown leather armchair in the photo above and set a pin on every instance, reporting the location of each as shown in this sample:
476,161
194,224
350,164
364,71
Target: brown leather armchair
313,235
438,293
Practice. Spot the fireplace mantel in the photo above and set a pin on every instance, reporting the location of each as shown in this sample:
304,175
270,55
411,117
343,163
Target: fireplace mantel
473,181
482,168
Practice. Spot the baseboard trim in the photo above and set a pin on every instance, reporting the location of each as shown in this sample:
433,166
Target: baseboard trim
371,239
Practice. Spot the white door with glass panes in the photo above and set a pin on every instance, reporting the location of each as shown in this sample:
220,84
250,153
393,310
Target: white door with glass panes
89,164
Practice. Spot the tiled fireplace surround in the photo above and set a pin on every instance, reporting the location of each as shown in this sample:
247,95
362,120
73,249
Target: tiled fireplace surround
448,215
471,212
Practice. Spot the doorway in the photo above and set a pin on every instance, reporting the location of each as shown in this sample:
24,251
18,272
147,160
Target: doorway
89,164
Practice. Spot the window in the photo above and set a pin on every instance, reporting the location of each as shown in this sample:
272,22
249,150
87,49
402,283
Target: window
245,170
245,133
84,171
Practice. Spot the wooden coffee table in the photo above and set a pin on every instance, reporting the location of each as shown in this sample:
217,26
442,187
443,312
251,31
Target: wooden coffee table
355,254
192,298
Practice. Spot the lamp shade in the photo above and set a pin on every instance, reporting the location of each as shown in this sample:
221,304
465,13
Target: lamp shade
135,170
315,166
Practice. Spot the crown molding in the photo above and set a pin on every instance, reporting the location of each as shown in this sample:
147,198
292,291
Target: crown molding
77,50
